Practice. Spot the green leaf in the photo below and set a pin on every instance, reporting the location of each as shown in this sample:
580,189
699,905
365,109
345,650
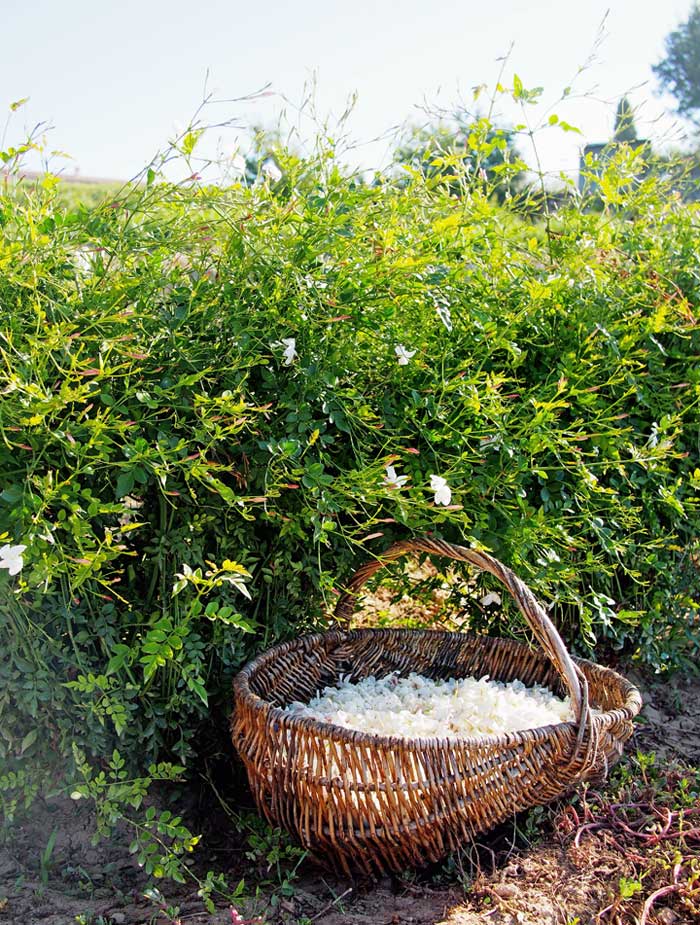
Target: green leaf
119,659
29,740
125,483
196,685
629,887
190,140
567,127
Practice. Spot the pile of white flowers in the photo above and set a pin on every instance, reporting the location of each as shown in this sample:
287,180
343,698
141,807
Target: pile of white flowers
419,707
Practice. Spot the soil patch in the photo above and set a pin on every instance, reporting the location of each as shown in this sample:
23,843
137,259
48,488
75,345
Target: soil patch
520,878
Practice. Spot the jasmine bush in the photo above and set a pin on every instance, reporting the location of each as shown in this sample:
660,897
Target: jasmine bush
217,400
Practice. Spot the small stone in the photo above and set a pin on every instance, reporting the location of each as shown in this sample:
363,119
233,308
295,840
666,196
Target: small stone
118,918
666,916
504,890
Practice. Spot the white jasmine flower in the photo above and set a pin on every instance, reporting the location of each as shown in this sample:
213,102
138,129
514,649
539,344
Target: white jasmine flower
178,261
403,355
493,597
84,258
443,492
312,283
392,480
185,574
417,706
271,171
290,349
11,558
444,314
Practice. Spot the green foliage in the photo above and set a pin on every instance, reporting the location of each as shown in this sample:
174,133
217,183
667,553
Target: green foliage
203,387
161,843
45,859
73,194
678,72
629,888
647,811
463,152
277,859
681,169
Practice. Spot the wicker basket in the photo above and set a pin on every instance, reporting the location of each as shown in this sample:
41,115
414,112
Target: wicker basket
380,803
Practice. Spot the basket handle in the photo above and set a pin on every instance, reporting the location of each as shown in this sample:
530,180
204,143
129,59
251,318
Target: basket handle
538,621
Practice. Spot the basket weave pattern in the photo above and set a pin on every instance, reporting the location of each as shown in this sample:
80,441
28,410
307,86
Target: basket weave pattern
379,803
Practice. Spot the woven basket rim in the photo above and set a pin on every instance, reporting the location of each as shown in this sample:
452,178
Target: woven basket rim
336,733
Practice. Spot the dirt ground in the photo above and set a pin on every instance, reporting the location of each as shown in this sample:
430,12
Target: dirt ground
547,880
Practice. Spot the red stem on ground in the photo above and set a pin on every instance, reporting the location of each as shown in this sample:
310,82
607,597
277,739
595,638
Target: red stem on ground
640,823
657,894
586,828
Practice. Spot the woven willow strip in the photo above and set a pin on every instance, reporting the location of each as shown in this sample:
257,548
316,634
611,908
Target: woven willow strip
378,803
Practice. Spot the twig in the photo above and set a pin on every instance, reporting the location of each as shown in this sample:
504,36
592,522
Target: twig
330,905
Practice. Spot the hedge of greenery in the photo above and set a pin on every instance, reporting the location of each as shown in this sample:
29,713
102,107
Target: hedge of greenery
217,401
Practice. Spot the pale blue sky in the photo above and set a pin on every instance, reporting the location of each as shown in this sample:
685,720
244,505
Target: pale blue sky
116,78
